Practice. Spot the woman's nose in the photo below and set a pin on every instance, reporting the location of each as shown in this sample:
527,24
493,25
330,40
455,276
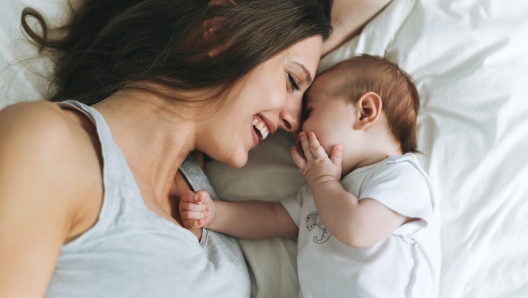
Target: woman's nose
290,120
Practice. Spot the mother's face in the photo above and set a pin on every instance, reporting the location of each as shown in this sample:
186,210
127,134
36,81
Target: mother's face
267,99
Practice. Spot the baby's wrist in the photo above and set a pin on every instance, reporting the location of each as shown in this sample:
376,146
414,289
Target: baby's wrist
322,181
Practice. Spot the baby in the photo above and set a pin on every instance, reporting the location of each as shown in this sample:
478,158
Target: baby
364,221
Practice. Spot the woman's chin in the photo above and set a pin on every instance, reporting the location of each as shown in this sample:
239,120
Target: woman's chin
236,160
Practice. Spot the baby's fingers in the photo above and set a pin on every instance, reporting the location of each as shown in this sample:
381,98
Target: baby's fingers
337,155
186,206
317,150
305,143
194,223
298,159
192,197
189,215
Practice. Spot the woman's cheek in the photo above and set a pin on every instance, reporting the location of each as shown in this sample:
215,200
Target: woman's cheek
276,96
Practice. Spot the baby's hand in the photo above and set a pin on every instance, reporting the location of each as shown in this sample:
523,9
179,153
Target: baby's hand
197,210
315,165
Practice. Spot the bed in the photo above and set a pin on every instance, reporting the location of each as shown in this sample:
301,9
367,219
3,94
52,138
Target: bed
469,60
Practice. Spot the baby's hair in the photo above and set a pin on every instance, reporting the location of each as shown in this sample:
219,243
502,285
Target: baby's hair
400,99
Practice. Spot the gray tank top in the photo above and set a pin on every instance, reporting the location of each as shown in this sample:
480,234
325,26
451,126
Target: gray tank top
131,252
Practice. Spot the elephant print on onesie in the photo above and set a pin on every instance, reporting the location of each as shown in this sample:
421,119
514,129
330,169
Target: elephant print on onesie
313,220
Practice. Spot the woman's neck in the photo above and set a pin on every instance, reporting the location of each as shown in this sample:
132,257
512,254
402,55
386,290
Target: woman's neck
153,137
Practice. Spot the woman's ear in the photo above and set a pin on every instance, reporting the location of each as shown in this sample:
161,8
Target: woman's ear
223,2
368,110
213,26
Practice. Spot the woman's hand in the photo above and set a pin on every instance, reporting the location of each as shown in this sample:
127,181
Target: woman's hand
316,166
197,209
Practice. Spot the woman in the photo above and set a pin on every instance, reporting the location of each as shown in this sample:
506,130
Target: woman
98,218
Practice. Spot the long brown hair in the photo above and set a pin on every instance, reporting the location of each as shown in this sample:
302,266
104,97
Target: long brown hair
108,45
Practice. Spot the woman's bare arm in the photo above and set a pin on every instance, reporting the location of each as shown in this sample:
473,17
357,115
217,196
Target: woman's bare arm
46,194
348,18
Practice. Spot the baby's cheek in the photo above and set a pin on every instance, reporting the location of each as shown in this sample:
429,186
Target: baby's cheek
328,141
323,141
328,149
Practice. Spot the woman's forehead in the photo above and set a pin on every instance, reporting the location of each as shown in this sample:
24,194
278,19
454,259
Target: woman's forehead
306,52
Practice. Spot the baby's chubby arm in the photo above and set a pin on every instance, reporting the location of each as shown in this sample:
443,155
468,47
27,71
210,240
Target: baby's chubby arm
248,220
355,223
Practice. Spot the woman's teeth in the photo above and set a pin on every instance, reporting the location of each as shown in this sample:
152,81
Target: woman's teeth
261,128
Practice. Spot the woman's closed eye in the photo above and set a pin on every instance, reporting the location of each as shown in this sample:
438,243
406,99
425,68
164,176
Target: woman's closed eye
292,84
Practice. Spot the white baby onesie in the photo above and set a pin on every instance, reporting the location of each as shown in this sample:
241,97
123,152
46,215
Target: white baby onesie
406,264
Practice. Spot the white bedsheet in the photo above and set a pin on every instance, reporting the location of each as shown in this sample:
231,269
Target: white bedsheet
23,77
469,59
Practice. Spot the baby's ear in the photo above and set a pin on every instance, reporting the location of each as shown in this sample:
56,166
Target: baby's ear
368,110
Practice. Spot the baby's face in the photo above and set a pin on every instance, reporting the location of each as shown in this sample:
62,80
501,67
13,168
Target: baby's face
359,127
330,118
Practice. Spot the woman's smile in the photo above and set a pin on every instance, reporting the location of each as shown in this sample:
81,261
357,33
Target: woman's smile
258,104
260,127
263,127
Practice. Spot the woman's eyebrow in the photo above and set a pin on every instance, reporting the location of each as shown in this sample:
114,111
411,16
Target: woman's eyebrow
306,72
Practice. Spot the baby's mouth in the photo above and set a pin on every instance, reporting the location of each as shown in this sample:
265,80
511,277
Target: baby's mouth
260,127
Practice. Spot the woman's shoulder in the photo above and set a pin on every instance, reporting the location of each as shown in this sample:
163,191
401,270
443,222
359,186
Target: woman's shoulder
28,120
48,156
34,129
41,129
46,125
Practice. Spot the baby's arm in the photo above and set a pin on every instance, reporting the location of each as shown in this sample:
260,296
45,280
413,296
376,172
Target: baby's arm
355,223
248,220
